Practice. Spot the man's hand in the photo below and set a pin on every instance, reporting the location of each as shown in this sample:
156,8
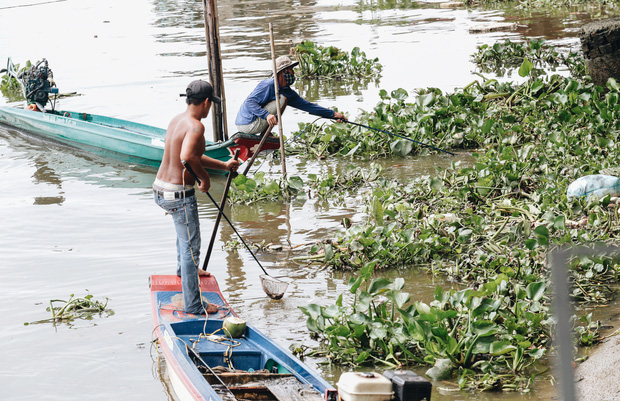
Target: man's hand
340,117
272,120
204,185
232,165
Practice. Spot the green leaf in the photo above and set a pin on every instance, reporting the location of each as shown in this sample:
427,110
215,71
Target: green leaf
487,125
378,333
436,183
535,291
542,231
378,284
399,94
501,347
612,84
312,310
559,223
296,183
398,298
340,331
331,312
482,345
484,328
329,252
358,319
401,147
464,236
362,357
272,188
364,301
356,284
526,68
377,210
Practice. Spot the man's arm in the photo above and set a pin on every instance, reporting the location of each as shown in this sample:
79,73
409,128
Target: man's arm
192,150
296,101
214,164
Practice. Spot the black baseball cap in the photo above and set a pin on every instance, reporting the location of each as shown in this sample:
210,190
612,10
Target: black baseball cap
200,90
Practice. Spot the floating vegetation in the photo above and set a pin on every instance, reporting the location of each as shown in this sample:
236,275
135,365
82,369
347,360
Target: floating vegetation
466,119
329,186
317,61
490,338
487,225
75,308
10,86
503,58
244,190
363,5
326,187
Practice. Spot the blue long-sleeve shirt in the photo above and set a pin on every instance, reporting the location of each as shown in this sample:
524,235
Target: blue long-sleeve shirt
264,93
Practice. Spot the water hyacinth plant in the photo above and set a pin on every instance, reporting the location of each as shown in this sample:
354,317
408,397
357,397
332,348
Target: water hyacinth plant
10,87
244,190
492,337
487,225
504,57
75,308
469,118
317,61
329,186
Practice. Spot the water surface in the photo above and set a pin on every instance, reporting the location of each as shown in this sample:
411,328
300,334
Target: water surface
78,223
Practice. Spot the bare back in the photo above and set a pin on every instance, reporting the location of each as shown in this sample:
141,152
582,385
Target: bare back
184,141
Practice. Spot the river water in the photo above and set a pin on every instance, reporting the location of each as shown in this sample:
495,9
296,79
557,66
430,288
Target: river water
79,223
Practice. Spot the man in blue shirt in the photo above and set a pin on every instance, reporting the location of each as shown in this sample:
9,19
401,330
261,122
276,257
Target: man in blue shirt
258,112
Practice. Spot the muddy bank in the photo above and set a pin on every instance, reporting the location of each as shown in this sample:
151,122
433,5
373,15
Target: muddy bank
598,378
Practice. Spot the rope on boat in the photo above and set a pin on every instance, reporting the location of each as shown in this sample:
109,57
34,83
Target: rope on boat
197,355
223,340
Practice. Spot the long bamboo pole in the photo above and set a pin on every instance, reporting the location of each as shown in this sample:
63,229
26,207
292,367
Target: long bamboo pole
221,70
220,131
229,179
275,84
249,163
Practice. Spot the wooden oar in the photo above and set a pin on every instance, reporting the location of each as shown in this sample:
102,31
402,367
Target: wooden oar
260,147
231,175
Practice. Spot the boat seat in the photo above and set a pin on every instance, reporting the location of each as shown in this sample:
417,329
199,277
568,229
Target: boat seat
242,359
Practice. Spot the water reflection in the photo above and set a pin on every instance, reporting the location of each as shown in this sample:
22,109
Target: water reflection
55,163
48,200
243,25
555,23
332,88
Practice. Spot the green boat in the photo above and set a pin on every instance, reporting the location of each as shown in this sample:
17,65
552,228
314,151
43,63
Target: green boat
121,139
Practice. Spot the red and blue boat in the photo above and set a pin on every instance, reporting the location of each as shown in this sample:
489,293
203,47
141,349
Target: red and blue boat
203,363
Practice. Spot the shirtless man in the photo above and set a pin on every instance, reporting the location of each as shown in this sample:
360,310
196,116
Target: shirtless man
174,192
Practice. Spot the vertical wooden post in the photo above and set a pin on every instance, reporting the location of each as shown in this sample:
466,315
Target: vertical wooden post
220,130
275,84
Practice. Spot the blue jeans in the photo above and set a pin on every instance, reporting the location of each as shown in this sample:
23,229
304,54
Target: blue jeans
184,213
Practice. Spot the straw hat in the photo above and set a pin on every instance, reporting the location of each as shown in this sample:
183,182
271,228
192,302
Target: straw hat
284,62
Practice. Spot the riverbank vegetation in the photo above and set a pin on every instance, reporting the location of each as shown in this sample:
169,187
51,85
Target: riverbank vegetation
487,226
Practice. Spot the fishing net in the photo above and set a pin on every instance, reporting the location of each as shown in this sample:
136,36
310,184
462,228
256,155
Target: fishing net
273,287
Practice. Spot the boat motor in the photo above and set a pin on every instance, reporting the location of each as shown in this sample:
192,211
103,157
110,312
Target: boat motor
38,83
